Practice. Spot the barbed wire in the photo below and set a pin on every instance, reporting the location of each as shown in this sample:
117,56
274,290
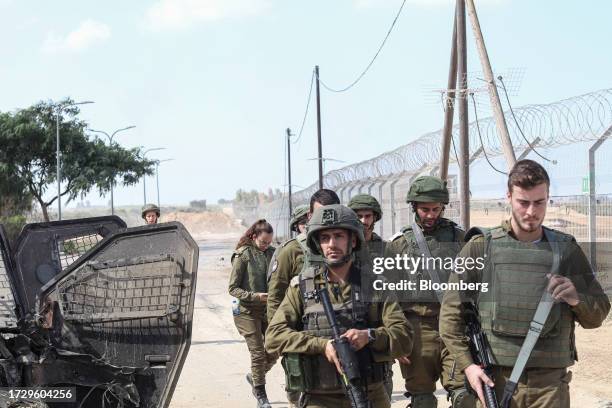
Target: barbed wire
573,120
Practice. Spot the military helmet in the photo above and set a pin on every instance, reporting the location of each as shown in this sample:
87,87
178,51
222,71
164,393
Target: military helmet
150,207
366,202
299,213
428,189
333,216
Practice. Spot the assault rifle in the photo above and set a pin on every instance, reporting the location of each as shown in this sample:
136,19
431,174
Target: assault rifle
350,375
481,351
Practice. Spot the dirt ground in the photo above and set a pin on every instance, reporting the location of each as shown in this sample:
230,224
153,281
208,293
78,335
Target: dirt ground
214,373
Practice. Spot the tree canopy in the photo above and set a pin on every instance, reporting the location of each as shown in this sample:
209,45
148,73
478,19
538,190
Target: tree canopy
28,153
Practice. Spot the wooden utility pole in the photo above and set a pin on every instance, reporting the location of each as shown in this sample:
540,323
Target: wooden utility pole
320,156
449,106
464,136
500,121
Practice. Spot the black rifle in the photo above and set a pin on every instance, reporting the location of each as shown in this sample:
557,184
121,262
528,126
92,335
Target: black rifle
351,377
481,351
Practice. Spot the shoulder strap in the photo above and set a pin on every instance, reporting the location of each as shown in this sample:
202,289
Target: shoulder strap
433,273
536,325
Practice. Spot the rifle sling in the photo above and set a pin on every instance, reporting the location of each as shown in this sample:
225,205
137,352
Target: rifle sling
433,273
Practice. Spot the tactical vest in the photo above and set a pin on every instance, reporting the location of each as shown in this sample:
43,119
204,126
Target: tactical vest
257,266
443,244
313,373
516,272
376,246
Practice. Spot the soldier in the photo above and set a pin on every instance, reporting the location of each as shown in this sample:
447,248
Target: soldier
299,219
300,330
248,284
150,214
429,360
524,262
288,261
368,211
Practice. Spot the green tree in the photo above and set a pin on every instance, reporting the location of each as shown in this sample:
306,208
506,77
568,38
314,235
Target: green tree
28,140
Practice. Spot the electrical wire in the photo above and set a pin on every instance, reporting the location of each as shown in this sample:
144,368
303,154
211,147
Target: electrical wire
501,81
399,12
307,107
484,150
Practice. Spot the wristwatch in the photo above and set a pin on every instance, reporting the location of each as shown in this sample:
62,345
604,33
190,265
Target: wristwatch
371,336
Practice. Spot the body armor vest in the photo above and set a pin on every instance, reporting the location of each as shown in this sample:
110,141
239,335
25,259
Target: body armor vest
318,375
516,272
443,244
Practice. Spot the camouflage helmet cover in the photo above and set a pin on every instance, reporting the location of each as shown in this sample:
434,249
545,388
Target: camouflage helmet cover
299,213
428,189
150,207
330,217
366,202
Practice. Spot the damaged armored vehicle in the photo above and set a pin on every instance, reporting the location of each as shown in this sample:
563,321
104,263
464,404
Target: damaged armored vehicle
92,306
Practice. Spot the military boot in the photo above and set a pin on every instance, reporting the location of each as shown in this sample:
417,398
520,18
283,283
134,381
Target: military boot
261,396
422,401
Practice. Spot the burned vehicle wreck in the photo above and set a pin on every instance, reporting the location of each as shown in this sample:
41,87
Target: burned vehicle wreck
97,307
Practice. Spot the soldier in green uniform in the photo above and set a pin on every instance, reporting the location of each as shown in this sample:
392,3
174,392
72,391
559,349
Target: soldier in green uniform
288,261
300,330
429,360
248,284
150,214
524,263
369,212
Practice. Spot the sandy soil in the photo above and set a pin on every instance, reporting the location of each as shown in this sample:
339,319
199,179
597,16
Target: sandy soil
213,375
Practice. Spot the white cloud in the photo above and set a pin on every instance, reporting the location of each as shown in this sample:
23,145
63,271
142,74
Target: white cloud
179,14
88,33
419,3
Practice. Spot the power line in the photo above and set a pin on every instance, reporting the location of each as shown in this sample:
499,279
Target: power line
480,137
399,12
307,107
501,80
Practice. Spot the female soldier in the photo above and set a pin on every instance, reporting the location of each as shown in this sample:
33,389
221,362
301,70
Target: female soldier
248,284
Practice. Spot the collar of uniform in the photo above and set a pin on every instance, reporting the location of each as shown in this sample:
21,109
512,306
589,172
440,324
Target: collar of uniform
353,277
375,237
506,225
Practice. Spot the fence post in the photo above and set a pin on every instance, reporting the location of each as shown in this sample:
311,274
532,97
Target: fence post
593,198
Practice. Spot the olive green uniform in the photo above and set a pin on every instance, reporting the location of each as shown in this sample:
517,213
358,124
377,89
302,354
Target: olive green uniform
248,277
287,264
517,276
429,360
285,335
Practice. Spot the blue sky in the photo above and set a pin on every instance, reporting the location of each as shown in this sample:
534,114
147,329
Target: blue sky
216,82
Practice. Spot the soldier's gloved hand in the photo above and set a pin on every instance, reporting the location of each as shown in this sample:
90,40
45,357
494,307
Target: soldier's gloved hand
476,377
404,360
332,357
563,289
357,338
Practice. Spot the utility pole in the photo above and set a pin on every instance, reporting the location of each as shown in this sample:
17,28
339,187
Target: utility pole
464,136
110,143
144,177
320,156
500,121
449,105
157,162
289,172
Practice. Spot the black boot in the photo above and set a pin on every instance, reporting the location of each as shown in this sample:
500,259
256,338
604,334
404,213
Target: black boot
262,397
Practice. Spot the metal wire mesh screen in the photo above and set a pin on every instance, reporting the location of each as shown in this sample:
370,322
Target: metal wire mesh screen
7,301
71,249
104,293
